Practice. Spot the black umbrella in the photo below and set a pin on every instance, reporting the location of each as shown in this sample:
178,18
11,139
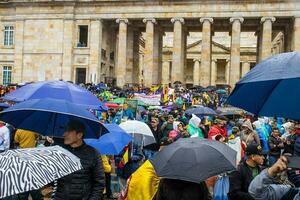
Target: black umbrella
194,160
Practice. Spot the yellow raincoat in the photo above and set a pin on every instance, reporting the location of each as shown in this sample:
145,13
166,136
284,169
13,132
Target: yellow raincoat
143,184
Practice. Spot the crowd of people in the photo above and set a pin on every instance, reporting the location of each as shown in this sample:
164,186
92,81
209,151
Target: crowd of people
262,146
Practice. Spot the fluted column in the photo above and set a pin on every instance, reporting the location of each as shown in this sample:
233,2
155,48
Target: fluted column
178,49
206,51
296,34
245,68
196,72
120,72
213,73
266,36
227,71
166,72
95,49
235,49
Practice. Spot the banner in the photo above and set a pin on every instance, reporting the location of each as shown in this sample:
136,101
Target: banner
149,100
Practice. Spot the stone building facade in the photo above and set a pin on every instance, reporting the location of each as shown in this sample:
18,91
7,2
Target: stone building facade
125,40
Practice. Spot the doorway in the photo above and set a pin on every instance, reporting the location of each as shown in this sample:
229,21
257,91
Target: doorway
80,75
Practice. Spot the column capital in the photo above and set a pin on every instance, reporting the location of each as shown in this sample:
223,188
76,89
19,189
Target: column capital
209,19
153,20
240,19
228,60
263,19
196,60
180,19
122,20
214,60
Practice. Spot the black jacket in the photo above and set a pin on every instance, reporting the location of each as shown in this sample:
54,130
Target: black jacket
273,142
87,183
239,181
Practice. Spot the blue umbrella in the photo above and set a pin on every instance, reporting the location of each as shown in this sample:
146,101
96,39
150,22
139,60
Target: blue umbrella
56,90
49,116
201,110
111,143
272,88
4,105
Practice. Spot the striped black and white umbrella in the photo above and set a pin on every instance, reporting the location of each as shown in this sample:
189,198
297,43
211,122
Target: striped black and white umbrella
24,170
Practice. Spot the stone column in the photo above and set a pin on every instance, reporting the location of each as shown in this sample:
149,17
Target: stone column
227,71
245,68
235,50
266,36
213,74
129,57
166,72
177,73
296,34
136,57
120,72
205,51
150,61
19,46
95,50
196,72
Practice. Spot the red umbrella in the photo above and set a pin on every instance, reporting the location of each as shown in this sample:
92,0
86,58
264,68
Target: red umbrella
112,105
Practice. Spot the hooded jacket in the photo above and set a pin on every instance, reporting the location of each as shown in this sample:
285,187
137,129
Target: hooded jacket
193,128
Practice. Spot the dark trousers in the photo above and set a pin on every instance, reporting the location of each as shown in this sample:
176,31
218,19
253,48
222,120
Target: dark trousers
107,184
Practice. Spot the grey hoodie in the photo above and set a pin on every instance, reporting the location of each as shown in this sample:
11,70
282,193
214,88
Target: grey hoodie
264,187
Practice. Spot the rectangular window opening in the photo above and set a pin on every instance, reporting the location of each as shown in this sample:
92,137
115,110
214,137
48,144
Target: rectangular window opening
8,35
83,36
6,75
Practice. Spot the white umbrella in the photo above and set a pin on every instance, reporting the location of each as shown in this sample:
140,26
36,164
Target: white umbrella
23,170
138,127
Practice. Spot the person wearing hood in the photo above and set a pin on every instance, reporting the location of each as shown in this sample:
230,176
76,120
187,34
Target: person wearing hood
194,129
248,135
262,134
218,129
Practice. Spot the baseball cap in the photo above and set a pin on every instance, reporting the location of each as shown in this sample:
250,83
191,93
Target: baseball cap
254,149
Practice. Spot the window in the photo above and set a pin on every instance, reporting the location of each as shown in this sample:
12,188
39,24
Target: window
8,35
83,36
6,75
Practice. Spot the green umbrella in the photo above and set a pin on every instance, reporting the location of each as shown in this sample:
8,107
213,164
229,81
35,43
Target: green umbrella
119,100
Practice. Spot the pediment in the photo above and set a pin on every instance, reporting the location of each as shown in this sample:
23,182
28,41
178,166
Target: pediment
216,47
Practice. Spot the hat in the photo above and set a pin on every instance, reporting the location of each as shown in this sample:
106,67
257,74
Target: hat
235,129
254,149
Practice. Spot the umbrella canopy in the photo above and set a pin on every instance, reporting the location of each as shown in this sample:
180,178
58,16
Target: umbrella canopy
194,160
119,100
271,88
221,91
201,110
23,170
111,143
49,116
56,90
4,105
112,105
138,127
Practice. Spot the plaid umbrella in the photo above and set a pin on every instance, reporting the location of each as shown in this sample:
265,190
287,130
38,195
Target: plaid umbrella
23,170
